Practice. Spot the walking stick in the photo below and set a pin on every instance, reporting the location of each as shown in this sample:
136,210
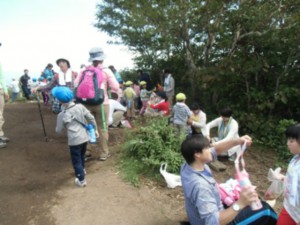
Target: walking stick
39,104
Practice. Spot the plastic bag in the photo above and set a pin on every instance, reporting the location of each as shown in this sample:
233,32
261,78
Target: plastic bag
276,187
229,191
172,180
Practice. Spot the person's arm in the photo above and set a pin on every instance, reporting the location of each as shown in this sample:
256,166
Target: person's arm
90,118
247,196
3,84
156,106
211,124
201,123
59,123
226,145
120,107
111,80
49,86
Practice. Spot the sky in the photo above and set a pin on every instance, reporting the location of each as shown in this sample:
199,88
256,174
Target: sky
34,33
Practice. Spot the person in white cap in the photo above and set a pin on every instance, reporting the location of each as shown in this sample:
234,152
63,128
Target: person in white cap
97,57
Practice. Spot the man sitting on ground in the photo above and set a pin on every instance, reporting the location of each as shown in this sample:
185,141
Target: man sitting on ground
116,111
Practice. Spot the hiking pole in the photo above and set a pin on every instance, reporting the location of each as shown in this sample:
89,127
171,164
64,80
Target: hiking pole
39,104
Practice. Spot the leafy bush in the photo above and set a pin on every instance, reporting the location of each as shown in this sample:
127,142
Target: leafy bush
148,147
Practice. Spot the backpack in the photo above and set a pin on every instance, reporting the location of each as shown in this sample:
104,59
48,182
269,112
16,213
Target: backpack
89,90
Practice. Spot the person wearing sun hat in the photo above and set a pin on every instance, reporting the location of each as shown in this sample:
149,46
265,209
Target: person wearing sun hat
181,114
72,118
65,77
129,95
109,81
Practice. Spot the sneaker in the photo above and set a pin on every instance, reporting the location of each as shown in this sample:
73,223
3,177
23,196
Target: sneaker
2,144
105,157
80,183
4,139
87,157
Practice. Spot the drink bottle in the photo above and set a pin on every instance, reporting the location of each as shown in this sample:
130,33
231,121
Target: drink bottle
91,131
244,181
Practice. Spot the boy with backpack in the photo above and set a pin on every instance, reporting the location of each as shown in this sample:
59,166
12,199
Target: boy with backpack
99,109
73,117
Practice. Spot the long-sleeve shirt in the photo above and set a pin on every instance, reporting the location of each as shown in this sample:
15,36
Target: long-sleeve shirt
114,106
292,189
2,81
200,123
69,119
181,113
230,131
163,107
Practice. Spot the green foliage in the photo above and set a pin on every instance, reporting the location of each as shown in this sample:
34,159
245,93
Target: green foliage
148,147
242,54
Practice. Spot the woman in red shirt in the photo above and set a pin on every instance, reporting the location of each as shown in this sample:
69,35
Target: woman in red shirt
162,106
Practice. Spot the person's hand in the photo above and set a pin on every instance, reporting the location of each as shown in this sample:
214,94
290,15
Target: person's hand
247,196
34,90
244,139
97,133
269,196
106,135
190,121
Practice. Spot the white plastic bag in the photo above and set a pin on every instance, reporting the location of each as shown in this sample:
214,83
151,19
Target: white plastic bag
276,187
171,179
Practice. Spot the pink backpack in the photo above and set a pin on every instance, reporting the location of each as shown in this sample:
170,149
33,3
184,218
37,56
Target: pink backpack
89,90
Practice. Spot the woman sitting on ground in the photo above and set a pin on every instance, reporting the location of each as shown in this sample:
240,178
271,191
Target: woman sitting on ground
162,107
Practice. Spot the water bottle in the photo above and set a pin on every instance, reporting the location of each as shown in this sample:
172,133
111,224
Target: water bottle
244,181
91,131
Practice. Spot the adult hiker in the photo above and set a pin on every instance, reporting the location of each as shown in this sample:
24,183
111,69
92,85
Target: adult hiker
97,57
24,80
3,95
65,77
228,129
169,86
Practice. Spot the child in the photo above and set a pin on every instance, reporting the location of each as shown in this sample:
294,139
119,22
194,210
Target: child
202,198
129,96
181,114
197,121
72,118
144,96
290,214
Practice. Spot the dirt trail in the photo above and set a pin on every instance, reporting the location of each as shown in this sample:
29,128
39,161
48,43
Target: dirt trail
36,185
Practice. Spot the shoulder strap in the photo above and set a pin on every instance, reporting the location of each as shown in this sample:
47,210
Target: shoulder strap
84,125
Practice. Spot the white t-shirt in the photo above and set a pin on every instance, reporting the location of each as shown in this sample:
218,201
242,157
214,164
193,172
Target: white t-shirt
114,105
15,86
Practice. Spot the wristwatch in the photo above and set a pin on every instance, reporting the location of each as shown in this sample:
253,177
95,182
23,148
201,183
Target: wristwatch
236,207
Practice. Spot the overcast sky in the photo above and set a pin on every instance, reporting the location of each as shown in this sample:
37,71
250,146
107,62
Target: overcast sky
34,33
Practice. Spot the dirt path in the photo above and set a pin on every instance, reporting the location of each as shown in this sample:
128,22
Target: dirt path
36,185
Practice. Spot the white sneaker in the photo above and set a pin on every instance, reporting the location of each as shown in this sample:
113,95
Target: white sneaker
80,183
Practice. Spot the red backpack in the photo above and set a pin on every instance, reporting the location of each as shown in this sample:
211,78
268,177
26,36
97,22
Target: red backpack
89,90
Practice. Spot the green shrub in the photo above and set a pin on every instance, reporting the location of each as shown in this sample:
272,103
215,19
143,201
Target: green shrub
148,147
